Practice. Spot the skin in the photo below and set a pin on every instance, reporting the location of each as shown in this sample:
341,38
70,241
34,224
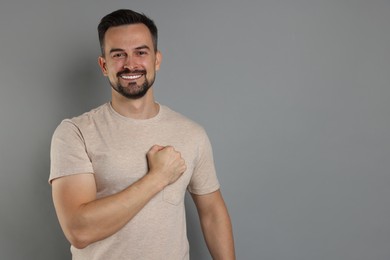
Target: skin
134,52
86,219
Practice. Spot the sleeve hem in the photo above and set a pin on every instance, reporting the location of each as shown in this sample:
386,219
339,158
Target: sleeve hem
204,191
79,171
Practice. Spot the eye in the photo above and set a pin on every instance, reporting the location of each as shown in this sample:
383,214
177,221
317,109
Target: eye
141,53
118,55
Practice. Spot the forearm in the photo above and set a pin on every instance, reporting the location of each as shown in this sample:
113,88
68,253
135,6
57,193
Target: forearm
101,218
217,230
216,225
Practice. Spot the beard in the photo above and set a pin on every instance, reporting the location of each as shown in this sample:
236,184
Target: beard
132,90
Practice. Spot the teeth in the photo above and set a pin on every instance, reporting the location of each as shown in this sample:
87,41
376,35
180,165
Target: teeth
131,76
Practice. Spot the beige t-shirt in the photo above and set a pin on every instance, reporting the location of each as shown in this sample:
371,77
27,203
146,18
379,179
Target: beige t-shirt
113,148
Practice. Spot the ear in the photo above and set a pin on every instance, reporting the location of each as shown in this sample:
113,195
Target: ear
158,60
102,65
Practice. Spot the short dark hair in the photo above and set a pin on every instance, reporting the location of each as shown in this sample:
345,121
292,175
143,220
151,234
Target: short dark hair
124,17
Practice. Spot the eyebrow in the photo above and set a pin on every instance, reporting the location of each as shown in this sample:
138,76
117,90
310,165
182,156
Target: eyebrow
137,48
116,50
143,47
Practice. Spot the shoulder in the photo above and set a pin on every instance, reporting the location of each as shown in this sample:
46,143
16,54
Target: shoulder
181,121
96,114
79,124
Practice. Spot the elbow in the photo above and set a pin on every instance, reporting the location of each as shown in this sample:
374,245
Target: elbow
78,239
78,232
79,244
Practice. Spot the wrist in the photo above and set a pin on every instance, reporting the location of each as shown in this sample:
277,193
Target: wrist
157,180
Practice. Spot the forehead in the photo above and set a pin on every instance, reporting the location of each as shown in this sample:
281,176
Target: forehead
128,36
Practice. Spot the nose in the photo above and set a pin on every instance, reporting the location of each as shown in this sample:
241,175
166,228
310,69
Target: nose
130,63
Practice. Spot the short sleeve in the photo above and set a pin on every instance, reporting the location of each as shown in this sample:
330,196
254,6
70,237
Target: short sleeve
68,154
204,179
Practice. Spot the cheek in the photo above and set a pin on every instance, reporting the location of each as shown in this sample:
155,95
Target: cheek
113,69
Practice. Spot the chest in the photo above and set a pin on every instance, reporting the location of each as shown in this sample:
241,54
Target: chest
118,155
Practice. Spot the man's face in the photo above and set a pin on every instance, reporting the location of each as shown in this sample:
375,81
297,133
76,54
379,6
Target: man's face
130,61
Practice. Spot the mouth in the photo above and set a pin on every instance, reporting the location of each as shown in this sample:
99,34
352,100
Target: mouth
131,77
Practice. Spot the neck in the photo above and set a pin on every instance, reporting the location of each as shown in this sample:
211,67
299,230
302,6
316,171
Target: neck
142,108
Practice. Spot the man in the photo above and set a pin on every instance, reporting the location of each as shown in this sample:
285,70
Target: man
119,173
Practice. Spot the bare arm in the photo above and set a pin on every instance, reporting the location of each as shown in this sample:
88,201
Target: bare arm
86,219
216,225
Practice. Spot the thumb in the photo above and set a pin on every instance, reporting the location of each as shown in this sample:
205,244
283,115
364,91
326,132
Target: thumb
155,148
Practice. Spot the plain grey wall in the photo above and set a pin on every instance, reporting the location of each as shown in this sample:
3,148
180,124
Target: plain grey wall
293,93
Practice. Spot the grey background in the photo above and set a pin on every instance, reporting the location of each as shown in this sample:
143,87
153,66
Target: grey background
294,96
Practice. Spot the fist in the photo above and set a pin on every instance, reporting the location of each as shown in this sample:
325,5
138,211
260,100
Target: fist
166,162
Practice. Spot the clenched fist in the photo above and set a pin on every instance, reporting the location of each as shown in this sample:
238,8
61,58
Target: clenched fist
165,162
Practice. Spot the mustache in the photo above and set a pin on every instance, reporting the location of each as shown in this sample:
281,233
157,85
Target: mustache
127,71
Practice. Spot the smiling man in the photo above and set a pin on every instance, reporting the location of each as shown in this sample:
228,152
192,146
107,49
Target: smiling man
119,173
